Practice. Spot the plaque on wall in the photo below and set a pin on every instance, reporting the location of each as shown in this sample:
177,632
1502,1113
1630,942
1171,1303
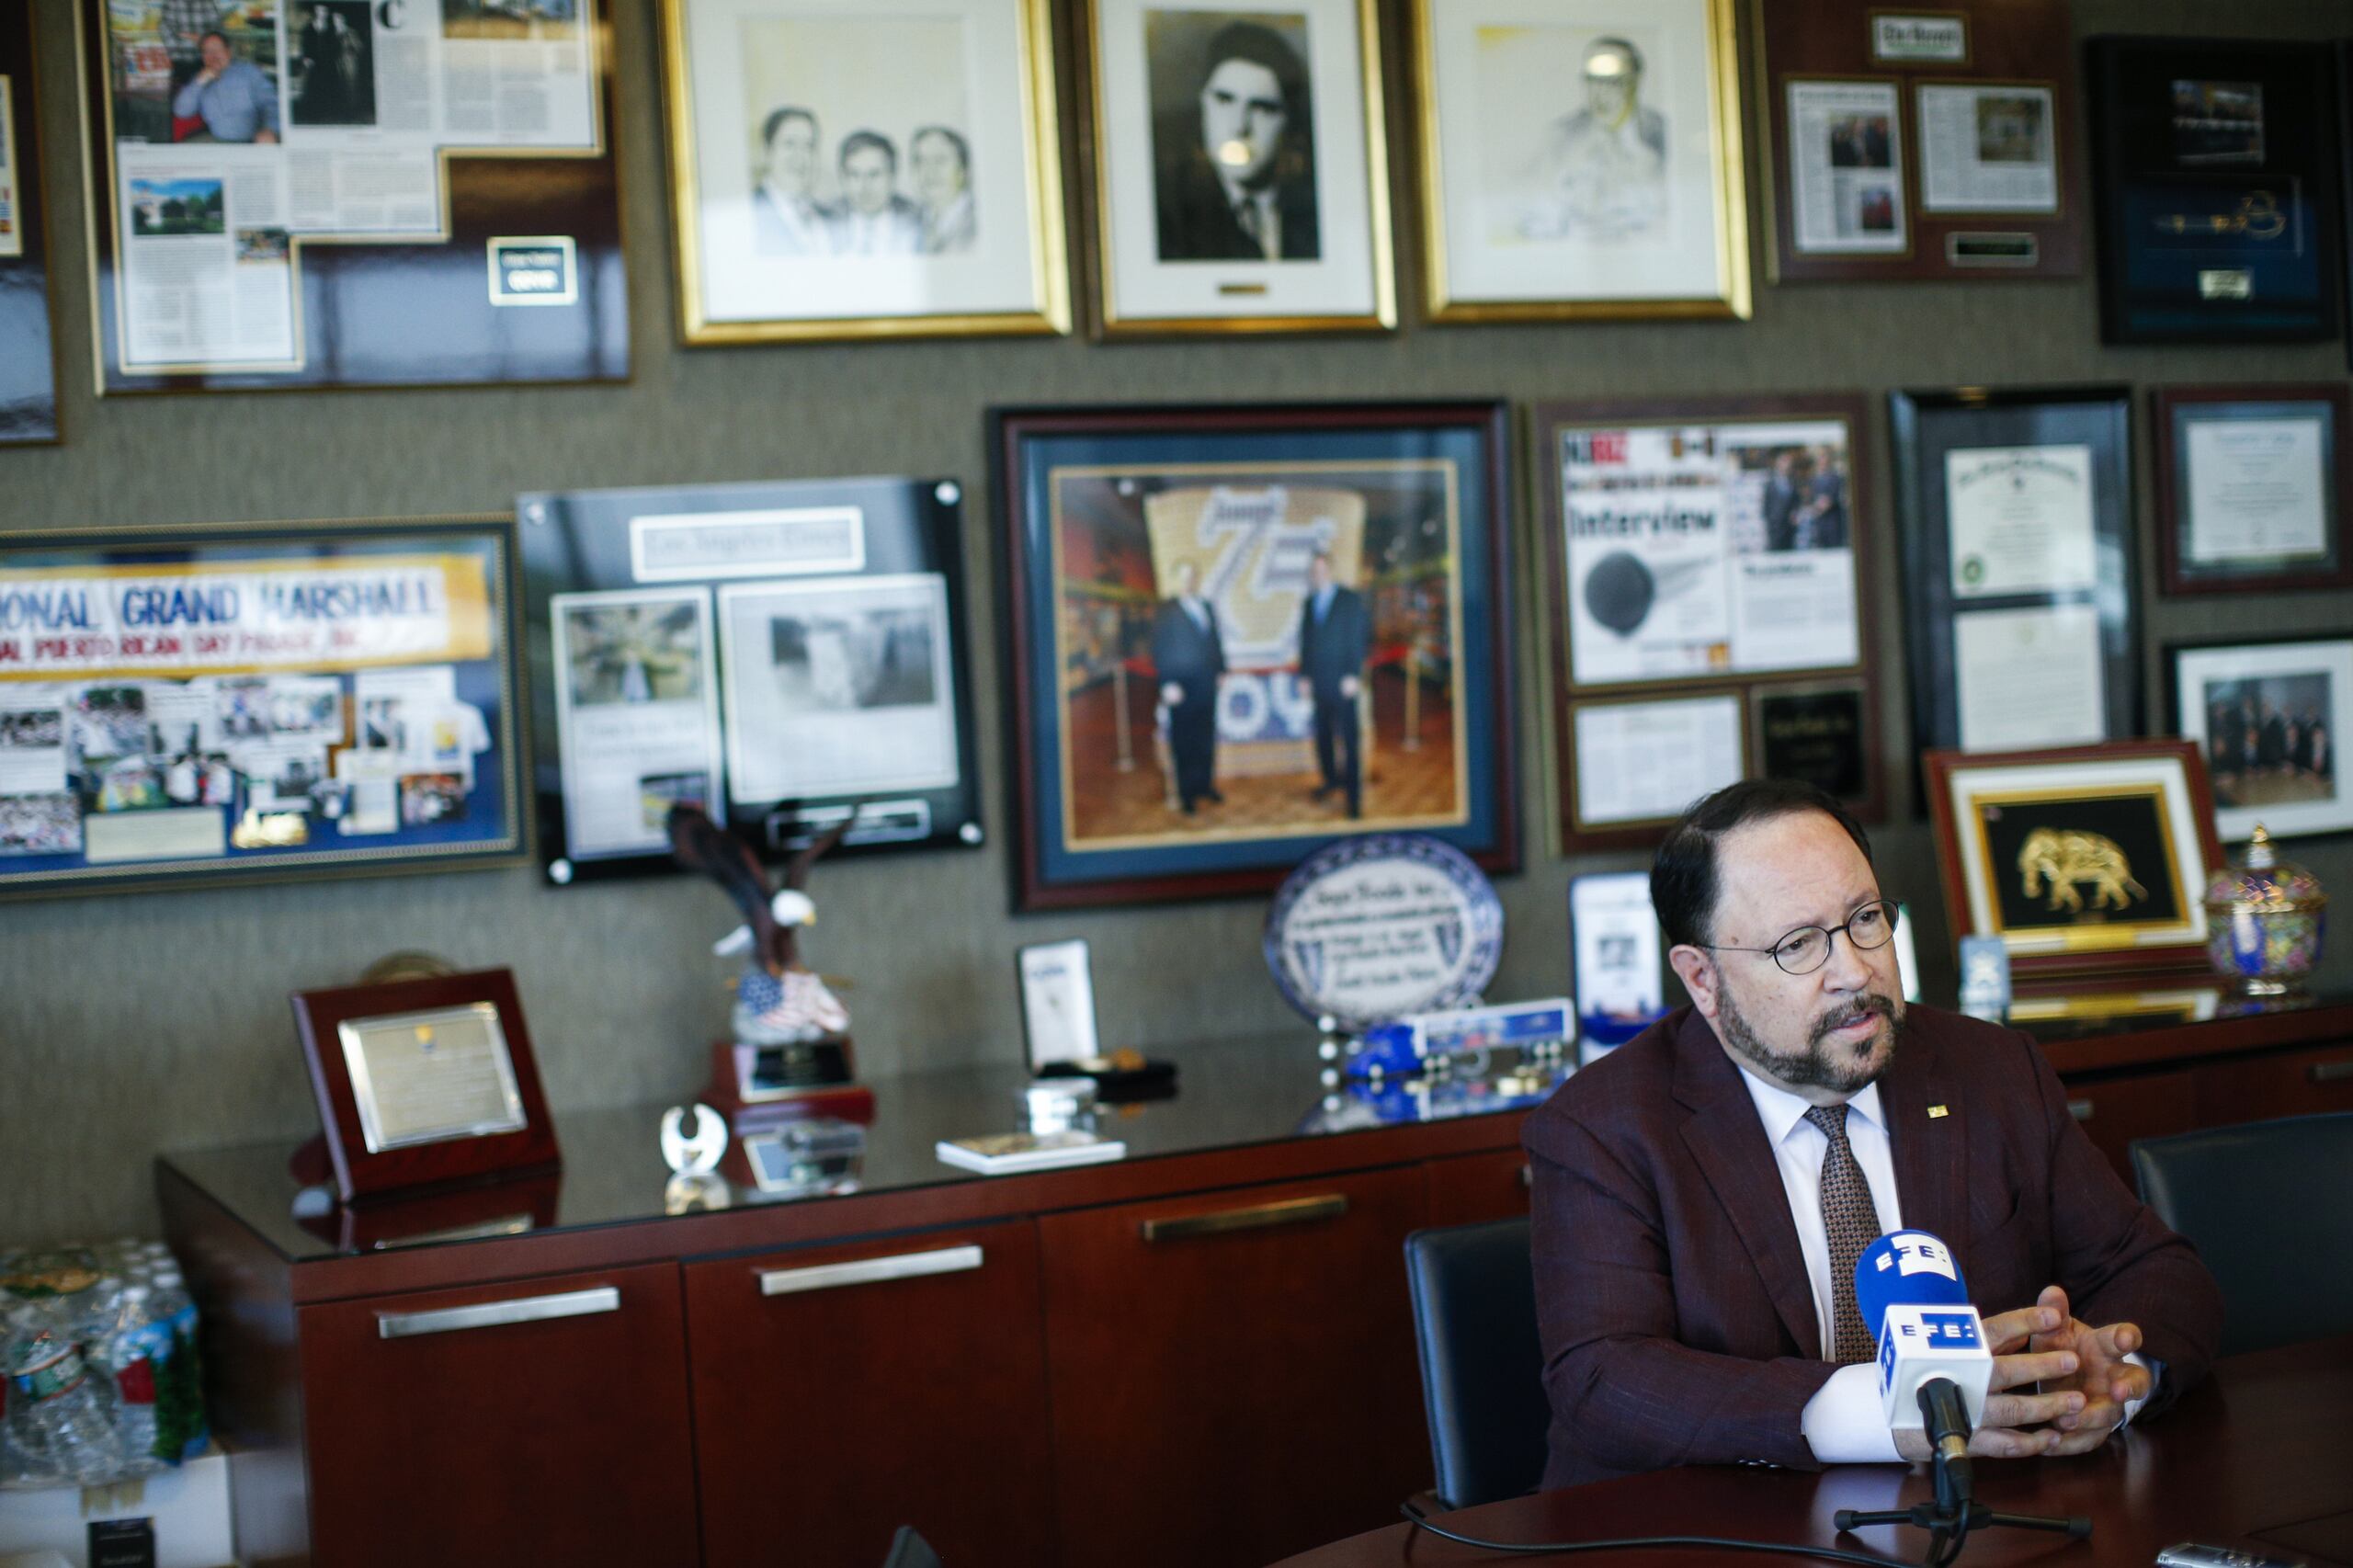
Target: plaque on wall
308,193
1926,143
2215,168
28,360
1374,928
2254,487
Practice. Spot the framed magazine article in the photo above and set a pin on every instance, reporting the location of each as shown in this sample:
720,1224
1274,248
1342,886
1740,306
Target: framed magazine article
1239,634
203,705
1239,166
785,656
2017,555
1703,570
2270,717
2082,859
28,359
2254,487
310,193
840,173
1581,158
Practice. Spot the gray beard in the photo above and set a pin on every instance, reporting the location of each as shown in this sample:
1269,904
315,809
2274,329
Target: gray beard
1820,1067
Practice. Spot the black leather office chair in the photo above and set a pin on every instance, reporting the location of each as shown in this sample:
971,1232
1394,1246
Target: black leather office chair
2266,1204
1482,1369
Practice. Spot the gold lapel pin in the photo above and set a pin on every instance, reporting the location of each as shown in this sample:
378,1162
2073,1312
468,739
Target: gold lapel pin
1938,1113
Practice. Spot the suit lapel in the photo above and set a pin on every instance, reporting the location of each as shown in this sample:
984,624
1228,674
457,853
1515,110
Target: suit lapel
1728,1142
1930,1153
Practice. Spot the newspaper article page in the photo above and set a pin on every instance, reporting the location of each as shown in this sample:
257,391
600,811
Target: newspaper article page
1987,149
1846,169
12,217
637,715
1648,761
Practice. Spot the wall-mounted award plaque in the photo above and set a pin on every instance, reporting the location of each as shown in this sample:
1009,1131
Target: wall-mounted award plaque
1374,928
425,1081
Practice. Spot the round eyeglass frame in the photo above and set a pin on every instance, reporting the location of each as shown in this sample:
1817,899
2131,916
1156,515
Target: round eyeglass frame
1886,906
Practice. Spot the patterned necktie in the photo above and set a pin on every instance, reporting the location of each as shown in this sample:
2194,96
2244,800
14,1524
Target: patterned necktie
1851,1220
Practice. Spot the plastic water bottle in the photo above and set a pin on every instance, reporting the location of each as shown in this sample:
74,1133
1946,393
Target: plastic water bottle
140,1344
55,1409
176,1367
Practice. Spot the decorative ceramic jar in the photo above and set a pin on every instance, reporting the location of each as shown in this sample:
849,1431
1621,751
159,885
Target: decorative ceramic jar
2264,919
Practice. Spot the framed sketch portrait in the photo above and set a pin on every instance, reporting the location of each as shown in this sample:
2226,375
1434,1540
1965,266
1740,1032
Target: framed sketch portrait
1581,158
837,174
1241,176
1239,634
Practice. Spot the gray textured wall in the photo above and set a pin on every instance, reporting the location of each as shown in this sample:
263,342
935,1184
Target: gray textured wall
130,1026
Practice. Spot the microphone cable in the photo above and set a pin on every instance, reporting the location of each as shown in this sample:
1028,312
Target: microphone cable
1718,1543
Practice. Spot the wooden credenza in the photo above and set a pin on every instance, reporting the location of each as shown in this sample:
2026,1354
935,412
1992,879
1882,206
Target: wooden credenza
1201,1354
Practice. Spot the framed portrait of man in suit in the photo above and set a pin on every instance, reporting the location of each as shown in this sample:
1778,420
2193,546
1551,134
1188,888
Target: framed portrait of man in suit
1240,169
839,174
1239,634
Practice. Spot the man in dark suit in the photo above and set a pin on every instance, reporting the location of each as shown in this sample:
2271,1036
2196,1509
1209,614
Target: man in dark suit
1701,1195
1188,655
1235,173
1334,635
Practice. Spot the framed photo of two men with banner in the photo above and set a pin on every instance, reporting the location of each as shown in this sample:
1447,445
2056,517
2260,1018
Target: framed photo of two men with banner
1239,633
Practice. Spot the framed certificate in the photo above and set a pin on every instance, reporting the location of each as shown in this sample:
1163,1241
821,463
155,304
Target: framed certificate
2270,717
28,360
2017,566
422,1082
2255,486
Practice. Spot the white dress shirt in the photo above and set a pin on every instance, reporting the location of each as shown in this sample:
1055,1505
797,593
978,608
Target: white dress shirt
1844,1423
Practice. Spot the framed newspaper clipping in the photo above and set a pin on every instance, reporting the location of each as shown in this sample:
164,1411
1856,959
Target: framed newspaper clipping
841,173
1581,158
1240,166
784,657
201,705
312,193
1704,572
27,358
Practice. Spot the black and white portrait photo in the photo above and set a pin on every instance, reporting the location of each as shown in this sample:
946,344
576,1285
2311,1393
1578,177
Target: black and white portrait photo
1233,129
333,62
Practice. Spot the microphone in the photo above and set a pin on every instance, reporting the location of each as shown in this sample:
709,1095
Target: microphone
1933,1366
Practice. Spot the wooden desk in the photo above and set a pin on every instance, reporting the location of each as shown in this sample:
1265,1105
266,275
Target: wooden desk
2258,1456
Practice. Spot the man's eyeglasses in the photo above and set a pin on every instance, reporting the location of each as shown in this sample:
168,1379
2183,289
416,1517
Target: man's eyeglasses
1807,948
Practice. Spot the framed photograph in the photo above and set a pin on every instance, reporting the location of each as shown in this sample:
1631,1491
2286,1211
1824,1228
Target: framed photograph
1240,166
2269,717
1239,634
27,358
1920,144
2017,542
2254,485
1058,1003
2080,858
425,1083
180,706
781,656
1581,158
2215,169
835,173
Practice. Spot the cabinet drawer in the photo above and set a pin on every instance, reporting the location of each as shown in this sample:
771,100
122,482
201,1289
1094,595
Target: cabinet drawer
2294,1082
536,1421
841,1391
1232,1373
2115,1111
1467,1188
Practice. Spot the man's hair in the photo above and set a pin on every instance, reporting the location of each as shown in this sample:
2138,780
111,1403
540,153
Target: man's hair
776,117
859,140
214,32
963,153
1260,45
1616,46
1684,882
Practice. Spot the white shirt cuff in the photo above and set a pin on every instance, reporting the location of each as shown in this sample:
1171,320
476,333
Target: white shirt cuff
1844,1423
2156,1370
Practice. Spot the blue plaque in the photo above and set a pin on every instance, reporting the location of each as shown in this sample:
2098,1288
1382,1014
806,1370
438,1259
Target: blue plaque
1379,926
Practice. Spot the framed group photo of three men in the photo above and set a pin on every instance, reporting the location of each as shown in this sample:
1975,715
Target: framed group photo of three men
1237,634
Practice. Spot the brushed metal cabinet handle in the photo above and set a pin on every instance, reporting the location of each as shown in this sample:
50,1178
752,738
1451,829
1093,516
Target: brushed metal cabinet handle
868,1271
2330,1072
1258,1217
2080,1110
493,1314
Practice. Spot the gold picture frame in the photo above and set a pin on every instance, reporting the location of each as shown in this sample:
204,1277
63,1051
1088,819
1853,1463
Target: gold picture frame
1511,281
1307,288
734,274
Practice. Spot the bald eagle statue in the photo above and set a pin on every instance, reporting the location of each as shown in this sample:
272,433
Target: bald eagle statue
778,1001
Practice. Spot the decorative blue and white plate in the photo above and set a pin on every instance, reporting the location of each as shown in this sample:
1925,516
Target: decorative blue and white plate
1374,928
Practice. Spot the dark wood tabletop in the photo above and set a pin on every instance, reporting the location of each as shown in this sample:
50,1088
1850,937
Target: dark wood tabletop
2258,1457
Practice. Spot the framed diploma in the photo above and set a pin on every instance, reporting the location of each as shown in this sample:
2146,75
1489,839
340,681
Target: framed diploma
2255,486
1926,143
2082,859
424,1082
2270,717
782,656
2017,566
27,358
2215,173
